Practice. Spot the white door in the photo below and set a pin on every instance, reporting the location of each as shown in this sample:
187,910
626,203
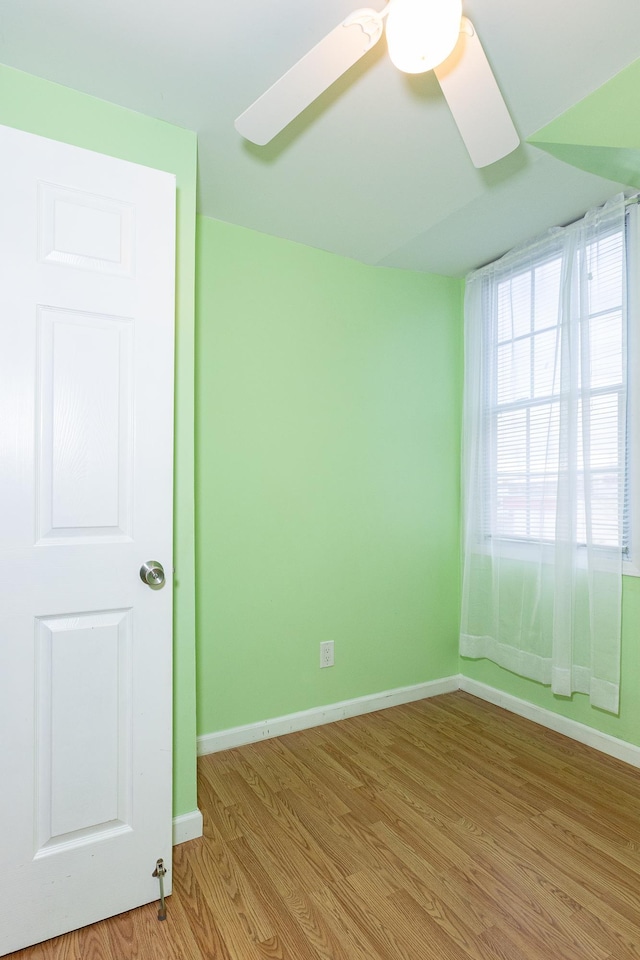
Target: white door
86,419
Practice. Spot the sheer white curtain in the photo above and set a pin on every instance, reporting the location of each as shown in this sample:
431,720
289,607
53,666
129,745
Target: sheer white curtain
544,458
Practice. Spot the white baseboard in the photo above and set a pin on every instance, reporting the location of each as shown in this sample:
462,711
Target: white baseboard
277,727
612,746
188,826
265,729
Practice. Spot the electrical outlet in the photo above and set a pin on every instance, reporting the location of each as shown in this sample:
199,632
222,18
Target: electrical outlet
326,653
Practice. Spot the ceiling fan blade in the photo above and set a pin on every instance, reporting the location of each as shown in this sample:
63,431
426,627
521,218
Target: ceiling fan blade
310,76
475,100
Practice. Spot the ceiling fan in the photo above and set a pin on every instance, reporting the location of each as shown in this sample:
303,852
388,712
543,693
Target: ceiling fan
421,35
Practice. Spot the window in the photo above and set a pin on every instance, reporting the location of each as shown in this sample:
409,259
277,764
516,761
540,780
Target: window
528,464
549,403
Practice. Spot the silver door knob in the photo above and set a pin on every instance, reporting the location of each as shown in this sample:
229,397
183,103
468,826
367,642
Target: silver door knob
152,573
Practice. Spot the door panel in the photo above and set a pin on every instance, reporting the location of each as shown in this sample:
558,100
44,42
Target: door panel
86,461
85,408
84,702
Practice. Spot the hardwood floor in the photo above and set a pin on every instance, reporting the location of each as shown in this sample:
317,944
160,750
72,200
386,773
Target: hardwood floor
442,830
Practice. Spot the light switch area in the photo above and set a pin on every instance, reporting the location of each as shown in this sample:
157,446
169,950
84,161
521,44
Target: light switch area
326,653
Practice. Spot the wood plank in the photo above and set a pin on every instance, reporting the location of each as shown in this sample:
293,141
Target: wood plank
445,829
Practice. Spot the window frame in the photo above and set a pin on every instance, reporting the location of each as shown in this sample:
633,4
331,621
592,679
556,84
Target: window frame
523,548
631,564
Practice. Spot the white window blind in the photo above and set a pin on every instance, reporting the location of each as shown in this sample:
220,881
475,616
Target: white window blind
528,387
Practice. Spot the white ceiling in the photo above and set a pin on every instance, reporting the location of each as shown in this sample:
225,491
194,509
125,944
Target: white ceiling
375,169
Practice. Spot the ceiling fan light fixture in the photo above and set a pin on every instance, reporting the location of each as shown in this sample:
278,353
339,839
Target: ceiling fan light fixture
422,33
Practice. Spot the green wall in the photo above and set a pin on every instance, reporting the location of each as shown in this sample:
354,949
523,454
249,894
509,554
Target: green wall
599,134
327,463
59,113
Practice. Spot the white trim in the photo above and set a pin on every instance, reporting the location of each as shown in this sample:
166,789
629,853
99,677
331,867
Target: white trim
630,567
188,826
613,746
265,729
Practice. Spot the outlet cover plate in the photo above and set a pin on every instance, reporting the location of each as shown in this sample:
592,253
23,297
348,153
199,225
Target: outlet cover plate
326,653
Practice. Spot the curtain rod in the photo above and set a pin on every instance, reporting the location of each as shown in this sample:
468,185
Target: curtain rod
628,201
